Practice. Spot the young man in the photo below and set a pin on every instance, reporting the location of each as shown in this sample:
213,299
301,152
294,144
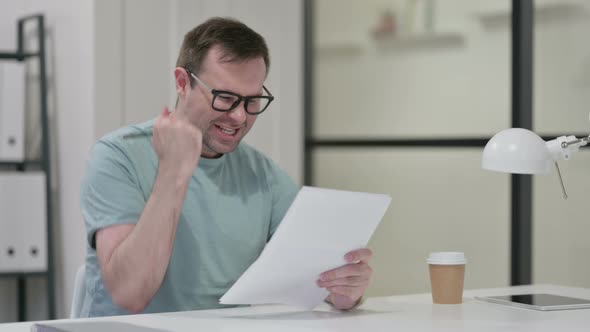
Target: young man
176,208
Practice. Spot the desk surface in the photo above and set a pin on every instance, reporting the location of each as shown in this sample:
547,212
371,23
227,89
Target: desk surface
394,313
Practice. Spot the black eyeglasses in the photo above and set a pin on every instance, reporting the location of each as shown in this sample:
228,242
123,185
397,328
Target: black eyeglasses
225,101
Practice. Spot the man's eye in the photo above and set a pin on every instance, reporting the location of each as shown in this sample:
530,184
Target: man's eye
226,98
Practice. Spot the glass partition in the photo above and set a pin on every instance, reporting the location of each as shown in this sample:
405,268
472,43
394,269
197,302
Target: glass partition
405,95
437,69
561,106
441,201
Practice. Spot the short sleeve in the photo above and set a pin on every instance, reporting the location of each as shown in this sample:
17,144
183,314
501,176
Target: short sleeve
283,191
110,194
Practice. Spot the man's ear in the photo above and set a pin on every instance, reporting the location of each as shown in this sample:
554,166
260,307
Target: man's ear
182,80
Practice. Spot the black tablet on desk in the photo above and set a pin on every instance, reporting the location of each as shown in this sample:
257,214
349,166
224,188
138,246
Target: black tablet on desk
544,302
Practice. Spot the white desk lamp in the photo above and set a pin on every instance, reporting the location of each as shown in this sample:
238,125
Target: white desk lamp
521,151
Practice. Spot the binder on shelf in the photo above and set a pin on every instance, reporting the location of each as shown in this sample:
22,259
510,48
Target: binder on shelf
12,111
10,241
23,239
34,225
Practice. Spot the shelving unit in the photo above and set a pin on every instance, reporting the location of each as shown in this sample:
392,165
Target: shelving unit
543,11
397,42
423,40
43,163
349,47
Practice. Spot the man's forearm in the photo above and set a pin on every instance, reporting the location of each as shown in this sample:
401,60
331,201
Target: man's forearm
135,270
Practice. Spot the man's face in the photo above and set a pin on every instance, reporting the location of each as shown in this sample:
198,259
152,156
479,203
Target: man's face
222,131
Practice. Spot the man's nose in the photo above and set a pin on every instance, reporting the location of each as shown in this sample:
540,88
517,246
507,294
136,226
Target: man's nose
238,114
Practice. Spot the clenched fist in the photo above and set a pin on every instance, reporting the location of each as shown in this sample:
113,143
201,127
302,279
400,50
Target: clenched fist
177,143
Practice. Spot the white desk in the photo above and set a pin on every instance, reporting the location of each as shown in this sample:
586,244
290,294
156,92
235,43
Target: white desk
395,313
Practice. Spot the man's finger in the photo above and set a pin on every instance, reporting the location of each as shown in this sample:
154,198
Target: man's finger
346,281
350,270
350,292
360,255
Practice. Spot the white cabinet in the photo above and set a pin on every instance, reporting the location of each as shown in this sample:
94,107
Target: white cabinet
23,227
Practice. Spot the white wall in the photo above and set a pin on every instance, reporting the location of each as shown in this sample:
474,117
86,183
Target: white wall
71,102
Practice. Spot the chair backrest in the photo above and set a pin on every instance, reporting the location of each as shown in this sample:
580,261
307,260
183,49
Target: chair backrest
79,292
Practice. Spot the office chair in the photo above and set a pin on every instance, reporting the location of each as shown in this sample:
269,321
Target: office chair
79,292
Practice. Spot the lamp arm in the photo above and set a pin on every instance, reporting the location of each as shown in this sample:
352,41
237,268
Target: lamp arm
583,140
564,146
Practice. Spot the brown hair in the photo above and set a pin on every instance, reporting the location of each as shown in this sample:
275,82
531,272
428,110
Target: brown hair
237,40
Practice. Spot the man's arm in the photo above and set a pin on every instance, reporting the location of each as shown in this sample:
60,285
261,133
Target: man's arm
133,258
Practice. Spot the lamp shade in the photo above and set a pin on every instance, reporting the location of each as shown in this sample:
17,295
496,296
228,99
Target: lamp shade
517,150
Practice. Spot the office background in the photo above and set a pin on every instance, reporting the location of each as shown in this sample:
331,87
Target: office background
405,113
111,65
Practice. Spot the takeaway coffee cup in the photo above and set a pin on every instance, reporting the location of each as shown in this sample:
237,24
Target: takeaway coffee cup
447,272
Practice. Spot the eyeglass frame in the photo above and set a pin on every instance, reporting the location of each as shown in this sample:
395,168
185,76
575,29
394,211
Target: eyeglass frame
245,99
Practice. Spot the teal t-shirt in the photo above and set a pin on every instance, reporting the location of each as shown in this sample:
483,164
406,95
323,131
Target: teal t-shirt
232,207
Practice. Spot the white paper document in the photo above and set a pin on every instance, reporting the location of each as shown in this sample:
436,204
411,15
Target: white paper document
319,228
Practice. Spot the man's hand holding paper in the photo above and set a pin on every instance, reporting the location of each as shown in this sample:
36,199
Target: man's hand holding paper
323,234
347,283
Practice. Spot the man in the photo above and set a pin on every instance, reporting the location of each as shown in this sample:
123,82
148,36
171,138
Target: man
176,209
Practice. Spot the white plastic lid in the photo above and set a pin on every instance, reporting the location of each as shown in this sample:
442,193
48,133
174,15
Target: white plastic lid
446,258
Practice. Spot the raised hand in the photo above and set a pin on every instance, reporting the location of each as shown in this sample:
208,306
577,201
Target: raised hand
177,143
